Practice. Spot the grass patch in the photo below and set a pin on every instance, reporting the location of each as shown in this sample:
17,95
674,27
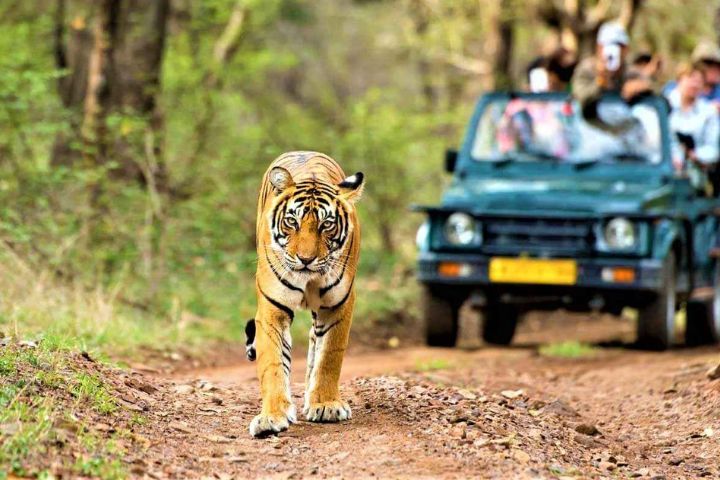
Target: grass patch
89,388
432,365
49,406
569,349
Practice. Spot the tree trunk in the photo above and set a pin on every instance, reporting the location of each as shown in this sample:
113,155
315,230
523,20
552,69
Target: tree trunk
716,24
113,71
419,16
628,13
502,63
223,51
386,235
578,23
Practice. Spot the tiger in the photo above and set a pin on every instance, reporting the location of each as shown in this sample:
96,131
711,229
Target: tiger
308,246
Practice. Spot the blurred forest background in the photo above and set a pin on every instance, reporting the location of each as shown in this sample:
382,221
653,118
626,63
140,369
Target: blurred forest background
133,136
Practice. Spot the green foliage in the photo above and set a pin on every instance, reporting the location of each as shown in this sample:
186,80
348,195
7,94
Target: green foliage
91,259
569,349
383,87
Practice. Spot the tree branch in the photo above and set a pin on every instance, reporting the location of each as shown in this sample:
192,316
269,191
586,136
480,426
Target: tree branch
468,64
59,36
597,15
228,41
628,12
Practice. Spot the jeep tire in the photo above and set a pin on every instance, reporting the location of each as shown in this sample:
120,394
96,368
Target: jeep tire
656,319
703,316
441,309
499,323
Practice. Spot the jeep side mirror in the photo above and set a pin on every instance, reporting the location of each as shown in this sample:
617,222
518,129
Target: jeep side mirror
450,160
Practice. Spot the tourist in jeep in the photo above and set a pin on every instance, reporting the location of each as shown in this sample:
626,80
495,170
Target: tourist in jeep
706,56
695,127
607,72
551,73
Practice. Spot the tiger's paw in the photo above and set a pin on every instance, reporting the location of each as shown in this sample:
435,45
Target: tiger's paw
265,425
328,412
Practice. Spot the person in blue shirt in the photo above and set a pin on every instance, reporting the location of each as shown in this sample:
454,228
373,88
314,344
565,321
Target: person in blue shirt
707,56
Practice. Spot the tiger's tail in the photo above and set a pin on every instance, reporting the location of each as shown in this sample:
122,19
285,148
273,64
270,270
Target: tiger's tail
250,340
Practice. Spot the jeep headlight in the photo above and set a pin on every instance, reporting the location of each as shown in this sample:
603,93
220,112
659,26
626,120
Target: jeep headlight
421,238
620,234
461,229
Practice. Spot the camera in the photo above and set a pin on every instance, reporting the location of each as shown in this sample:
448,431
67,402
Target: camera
611,55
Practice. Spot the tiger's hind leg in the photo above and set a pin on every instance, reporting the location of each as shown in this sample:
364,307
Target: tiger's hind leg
328,341
273,343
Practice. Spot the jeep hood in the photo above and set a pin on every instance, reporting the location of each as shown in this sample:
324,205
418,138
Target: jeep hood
557,195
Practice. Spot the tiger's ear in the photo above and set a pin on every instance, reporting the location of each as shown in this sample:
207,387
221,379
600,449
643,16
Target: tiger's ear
280,179
352,187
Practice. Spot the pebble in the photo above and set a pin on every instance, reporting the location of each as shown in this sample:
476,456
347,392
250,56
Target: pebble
560,408
587,429
512,393
521,456
466,394
181,427
183,389
587,441
458,431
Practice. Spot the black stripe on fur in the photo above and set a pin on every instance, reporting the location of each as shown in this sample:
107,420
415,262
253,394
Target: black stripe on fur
341,302
279,277
279,305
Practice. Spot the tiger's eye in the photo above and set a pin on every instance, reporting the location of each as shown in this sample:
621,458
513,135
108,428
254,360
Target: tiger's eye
291,222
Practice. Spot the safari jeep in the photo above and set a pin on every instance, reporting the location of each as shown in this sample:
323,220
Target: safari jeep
553,208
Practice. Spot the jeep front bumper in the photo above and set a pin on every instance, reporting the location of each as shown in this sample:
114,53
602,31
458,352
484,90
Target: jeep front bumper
592,273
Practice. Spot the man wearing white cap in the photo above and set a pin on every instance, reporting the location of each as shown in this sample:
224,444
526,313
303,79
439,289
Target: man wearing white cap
607,72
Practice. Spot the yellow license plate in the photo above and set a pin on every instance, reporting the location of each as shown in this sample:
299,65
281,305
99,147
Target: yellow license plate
533,270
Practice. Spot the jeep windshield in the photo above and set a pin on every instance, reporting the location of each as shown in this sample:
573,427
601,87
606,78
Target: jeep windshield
542,129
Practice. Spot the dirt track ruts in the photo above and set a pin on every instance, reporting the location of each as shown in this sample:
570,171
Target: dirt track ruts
490,413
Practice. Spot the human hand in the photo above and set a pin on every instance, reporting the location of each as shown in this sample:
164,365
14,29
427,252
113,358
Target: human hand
602,74
693,158
678,164
633,87
655,66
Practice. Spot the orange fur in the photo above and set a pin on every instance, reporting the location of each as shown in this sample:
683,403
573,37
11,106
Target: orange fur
308,243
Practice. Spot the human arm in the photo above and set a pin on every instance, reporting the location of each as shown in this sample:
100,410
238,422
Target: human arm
708,147
585,84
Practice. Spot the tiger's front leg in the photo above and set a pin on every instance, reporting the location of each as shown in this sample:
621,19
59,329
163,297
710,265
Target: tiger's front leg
273,343
328,340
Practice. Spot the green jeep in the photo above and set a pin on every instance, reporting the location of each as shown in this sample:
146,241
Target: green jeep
550,207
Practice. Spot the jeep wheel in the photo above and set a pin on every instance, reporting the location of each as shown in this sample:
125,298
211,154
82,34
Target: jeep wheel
499,323
441,310
656,320
703,316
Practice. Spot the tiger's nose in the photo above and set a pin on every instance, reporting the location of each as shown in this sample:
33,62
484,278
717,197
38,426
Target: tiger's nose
306,260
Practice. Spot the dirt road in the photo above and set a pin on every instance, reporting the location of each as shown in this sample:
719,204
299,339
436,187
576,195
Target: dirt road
491,413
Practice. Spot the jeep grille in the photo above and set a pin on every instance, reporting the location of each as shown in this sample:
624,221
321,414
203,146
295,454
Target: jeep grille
537,236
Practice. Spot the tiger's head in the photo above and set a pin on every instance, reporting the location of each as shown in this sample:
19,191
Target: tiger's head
311,221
